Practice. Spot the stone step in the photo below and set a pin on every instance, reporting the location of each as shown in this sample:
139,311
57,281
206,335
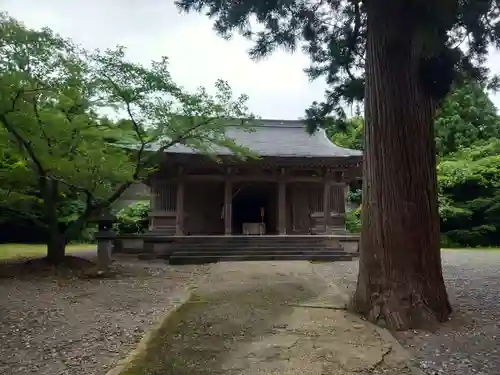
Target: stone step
225,247
256,251
244,238
252,242
178,260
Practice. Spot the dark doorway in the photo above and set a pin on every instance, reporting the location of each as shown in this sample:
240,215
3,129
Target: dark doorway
252,204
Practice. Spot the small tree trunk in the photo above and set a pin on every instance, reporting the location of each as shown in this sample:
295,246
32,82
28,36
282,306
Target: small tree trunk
56,248
400,275
56,242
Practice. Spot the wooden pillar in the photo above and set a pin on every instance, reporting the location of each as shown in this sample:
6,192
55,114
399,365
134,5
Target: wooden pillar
154,198
346,197
282,204
153,192
326,206
179,214
228,207
282,207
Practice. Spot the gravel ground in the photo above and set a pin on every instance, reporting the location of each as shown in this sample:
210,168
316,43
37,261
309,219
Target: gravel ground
72,327
85,326
470,342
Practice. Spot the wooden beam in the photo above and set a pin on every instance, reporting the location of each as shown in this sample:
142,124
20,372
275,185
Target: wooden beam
271,161
255,178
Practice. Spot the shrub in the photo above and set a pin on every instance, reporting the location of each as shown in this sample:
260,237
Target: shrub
353,220
133,219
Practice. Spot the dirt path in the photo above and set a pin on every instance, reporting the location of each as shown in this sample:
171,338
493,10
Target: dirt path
258,318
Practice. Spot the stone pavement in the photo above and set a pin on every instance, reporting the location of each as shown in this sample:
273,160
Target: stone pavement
272,318
314,336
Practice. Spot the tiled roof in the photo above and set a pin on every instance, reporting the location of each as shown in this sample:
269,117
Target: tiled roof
279,138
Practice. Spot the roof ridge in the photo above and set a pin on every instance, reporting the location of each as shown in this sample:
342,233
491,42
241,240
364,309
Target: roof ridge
275,123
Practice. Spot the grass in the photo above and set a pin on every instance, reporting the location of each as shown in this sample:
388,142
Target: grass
13,251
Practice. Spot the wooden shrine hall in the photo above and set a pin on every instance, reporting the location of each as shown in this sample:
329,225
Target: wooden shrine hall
298,186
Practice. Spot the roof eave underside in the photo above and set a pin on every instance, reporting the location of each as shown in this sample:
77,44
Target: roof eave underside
348,161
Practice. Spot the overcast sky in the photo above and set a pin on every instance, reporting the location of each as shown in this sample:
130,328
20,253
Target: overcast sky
149,29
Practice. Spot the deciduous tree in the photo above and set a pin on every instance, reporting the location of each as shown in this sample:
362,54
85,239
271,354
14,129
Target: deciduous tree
466,117
401,57
57,146
469,196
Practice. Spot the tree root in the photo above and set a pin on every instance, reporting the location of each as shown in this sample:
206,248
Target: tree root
401,313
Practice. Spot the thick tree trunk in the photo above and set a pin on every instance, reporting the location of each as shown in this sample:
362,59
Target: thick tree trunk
400,275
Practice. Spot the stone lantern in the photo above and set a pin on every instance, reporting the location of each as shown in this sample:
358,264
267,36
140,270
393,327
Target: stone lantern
105,221
105,237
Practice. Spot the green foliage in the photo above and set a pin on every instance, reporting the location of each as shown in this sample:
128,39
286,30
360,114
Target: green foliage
57,148
133,219
354,195
467,130
466,117
469,182
334,34
353,221
347,133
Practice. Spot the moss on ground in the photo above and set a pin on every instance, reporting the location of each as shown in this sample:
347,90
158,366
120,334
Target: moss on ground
198,337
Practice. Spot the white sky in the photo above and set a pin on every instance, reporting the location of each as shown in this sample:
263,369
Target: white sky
149,29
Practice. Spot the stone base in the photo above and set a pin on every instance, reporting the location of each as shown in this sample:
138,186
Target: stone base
105,245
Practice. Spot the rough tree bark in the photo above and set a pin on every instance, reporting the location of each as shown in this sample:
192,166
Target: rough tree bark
400,275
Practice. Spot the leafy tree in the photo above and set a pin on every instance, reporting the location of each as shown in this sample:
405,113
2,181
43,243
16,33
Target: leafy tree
400,57
467,131
347,133
59,148
469,182
466,117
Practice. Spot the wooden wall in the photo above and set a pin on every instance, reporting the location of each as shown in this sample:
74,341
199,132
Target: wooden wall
203,202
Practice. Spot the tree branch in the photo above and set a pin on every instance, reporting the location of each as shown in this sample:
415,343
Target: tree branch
75,133
182,138
353,39
81,189
41,124
135,124
26,145
21,211
140,163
